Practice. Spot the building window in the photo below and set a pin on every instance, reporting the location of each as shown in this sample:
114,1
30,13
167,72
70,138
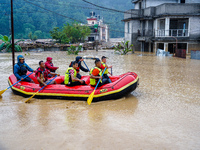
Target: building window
128,28
182,1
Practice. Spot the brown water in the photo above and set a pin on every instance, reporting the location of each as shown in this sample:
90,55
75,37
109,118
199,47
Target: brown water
162,113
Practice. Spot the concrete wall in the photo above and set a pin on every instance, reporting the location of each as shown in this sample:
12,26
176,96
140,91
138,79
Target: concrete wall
182,9
151,3
194,27
192,1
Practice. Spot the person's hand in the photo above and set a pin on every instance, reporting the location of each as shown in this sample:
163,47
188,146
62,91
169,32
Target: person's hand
34,71
110,67
81,81
58,74
57,67
45,84
22,78
100,77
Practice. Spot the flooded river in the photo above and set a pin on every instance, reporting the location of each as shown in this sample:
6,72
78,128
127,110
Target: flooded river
162,113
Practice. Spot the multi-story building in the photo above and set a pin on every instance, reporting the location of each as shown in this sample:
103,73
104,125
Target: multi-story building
163,24
102,33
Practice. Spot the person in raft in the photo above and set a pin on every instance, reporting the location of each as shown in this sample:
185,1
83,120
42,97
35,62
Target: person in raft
71,78
21,68
96,74
42,74
49,66
103,65
79,60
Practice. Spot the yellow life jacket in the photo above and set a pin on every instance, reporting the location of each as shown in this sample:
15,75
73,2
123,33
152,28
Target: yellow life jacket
67,75
104,64
94,81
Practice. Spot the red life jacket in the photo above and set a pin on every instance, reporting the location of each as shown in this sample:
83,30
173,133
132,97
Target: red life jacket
44,72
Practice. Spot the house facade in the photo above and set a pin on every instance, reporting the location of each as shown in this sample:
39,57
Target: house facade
163,24
102,32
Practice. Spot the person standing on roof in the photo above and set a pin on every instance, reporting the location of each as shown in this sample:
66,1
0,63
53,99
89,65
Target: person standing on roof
49,66
79,59
21,68
103,66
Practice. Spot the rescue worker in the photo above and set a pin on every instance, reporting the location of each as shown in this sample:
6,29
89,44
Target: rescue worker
21,68
103,66
96,74
71,76
42,75
49,66
79,60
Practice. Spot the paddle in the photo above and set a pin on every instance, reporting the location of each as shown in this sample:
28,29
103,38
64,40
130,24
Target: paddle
39,90
90,98
86,65
111,71
1,92
93,58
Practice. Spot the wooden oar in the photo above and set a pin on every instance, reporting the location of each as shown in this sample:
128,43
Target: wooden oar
90,98
1,92
86,65
39,90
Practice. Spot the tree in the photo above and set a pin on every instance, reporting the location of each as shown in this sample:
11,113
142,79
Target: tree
70,33
8,45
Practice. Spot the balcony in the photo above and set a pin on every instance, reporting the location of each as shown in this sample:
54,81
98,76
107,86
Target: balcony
172,32
177,9
133,13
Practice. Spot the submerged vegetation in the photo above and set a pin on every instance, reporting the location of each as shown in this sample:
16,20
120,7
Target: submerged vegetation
74,50
7,45
123,48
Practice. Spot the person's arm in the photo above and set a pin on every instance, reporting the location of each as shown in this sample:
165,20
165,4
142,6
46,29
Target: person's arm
84,69
51,67
76,79
16,70
40,80
95,77
29,69
54,74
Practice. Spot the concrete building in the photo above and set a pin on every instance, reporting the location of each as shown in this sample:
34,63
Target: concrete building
163,24
103,31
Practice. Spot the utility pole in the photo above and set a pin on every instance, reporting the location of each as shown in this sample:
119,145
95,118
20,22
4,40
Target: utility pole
12,31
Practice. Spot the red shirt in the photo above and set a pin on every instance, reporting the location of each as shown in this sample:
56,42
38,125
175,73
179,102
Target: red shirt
42,73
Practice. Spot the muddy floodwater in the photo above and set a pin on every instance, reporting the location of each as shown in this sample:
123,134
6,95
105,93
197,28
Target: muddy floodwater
162,113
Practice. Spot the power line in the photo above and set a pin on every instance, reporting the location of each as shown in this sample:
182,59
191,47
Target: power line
108,8
53,11
66,16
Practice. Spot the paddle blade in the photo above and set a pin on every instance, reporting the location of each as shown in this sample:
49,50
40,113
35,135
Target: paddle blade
90,98
27,101
1,92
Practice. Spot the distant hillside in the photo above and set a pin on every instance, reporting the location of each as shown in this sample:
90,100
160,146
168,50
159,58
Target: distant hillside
31,18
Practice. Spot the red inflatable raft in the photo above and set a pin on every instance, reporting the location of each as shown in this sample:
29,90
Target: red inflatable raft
121,86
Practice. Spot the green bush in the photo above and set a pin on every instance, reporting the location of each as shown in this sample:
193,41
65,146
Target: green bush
124,48
74,50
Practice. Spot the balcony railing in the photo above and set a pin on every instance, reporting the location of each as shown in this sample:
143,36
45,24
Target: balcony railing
172,32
